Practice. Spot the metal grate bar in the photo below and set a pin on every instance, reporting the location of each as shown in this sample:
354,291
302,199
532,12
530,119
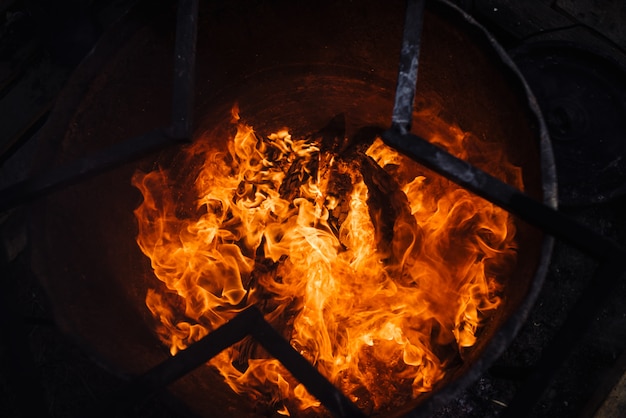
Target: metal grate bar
610,255
189,359
317,385
180,128
83,168
504,195
184,70
607,275
249,322
409,61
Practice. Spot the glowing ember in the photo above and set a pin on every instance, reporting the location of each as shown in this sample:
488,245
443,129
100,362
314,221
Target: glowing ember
376,270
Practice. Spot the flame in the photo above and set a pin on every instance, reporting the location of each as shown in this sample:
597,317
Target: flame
376,270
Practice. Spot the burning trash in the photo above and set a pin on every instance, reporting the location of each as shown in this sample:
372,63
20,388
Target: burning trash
375,269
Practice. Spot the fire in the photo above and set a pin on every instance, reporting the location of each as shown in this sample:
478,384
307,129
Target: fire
375,269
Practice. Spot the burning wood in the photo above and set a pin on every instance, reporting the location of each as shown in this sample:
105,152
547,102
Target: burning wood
377,271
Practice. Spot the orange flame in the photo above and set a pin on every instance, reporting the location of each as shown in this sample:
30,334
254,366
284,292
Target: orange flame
376,270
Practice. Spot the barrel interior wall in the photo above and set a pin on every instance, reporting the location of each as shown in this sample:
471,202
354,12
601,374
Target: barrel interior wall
97,279
349,64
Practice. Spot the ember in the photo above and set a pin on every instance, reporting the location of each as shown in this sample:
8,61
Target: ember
375,269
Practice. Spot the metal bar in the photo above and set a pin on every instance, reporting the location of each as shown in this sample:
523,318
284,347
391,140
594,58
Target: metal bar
579,320
317,385
409,60
83,168
189,359
606,277
504,195
184,70
133,149
248,322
